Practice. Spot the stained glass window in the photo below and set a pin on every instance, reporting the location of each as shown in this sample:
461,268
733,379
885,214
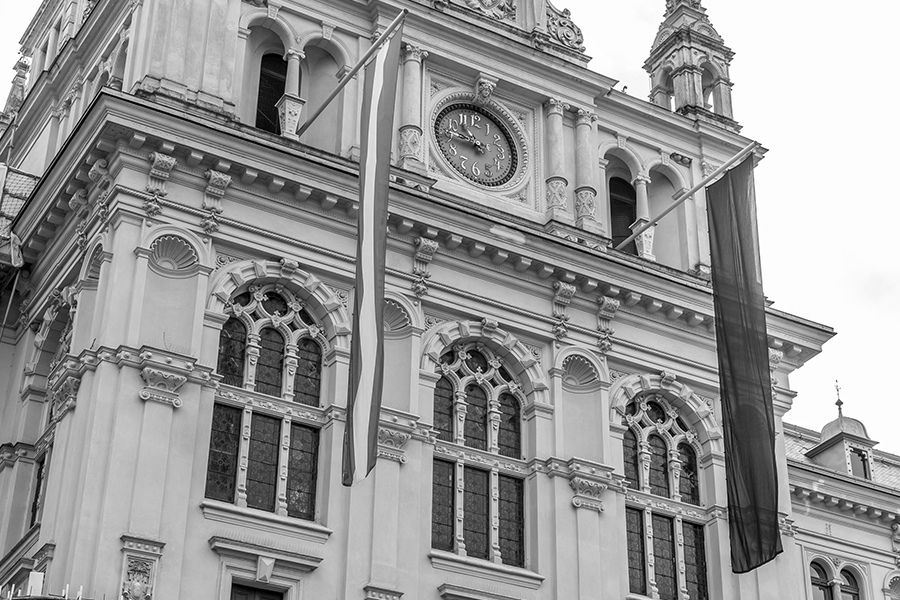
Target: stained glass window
477,362
634,528
659,471
476,418
476,510
688,485
262,462
303,458
695,561
664,557
308,378
443,493
224,444
271,362
272,77
512,521
630,451
509,437
232,344
443,409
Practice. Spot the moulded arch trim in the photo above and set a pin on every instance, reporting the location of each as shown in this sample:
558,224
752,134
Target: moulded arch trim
680,395
661,75
261,18
625,154
94,253
321,299
858,574
825,563
892,578
710,65
202,248
503,343
334,46
674,176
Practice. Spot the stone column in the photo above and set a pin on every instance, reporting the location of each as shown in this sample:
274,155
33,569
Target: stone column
291,105
557,198
688,83
410,138
722,98
644,242
585,191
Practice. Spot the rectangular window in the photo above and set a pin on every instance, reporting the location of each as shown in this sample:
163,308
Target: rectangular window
242,592
859,464
262,454
262,462
664,557
512,521
303,459
637,574
224,445
38,499
695,561
476,513
443,492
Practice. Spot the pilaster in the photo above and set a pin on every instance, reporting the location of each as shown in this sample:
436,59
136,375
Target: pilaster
557,184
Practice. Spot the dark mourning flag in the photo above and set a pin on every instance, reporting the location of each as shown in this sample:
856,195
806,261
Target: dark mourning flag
744,378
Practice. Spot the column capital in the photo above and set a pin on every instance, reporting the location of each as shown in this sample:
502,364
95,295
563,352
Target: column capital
556,106
641,180
294,54
585,117
415,53
602,163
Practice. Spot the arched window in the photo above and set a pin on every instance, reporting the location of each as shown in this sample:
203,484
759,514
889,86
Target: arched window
849,586
688,485
308,378
490,396
272,78
509,438
622,212
232,345
631,460
443,409
652,417
264,463
821,588
659,469
271,362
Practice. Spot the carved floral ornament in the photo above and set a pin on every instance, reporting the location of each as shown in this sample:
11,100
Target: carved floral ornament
496,9
563,30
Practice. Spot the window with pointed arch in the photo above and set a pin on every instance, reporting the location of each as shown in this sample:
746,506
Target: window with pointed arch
478,476
660,461
267,345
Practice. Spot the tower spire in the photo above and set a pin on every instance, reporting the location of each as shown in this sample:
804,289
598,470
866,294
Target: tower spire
688,66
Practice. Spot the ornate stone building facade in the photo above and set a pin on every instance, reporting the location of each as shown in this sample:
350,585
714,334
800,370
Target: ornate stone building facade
174,364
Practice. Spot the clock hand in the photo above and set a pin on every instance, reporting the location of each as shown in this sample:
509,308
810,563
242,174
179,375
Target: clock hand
451,134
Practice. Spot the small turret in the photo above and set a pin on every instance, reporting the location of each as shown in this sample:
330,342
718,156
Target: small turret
688,66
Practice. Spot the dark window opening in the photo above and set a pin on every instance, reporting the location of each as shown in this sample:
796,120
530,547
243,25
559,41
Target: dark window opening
637,574
443,409
859,463
270,366
308,378
242,592
512,521
695,561
659,466
509,437
688,485
631,461
821,588
303,462
442,505
224,444
476,418
623,212
849,586
232,343
38,500
476,507
262,462
272,78
664,557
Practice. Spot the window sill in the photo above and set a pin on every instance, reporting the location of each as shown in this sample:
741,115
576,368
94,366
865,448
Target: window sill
476,567
263,521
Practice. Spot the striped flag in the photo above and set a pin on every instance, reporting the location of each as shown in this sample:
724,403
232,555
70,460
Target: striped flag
367,346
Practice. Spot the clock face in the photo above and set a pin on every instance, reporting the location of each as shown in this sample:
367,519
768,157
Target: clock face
476,144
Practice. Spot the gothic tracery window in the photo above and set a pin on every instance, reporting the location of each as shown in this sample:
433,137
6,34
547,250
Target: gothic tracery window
268,345
660,461
477,415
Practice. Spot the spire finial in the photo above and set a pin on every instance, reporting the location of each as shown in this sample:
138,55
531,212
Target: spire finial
839,403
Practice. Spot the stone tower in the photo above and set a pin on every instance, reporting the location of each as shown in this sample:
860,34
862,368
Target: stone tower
688,66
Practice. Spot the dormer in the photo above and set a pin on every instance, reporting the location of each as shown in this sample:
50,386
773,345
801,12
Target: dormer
845,446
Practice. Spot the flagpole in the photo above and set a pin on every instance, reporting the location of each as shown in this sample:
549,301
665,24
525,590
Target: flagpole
362,62
680,200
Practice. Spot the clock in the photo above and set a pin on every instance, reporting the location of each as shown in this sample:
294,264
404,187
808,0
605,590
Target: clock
477,143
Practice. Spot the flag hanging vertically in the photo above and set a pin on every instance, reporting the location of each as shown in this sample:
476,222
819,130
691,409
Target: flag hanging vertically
744,378
367,344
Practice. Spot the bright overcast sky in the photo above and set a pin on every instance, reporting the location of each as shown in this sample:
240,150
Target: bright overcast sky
812,82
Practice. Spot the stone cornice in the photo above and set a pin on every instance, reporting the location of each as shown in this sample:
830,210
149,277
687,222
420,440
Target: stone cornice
836,502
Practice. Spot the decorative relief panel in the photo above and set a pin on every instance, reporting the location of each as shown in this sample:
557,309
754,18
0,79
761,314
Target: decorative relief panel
502,10
139,566
562,30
